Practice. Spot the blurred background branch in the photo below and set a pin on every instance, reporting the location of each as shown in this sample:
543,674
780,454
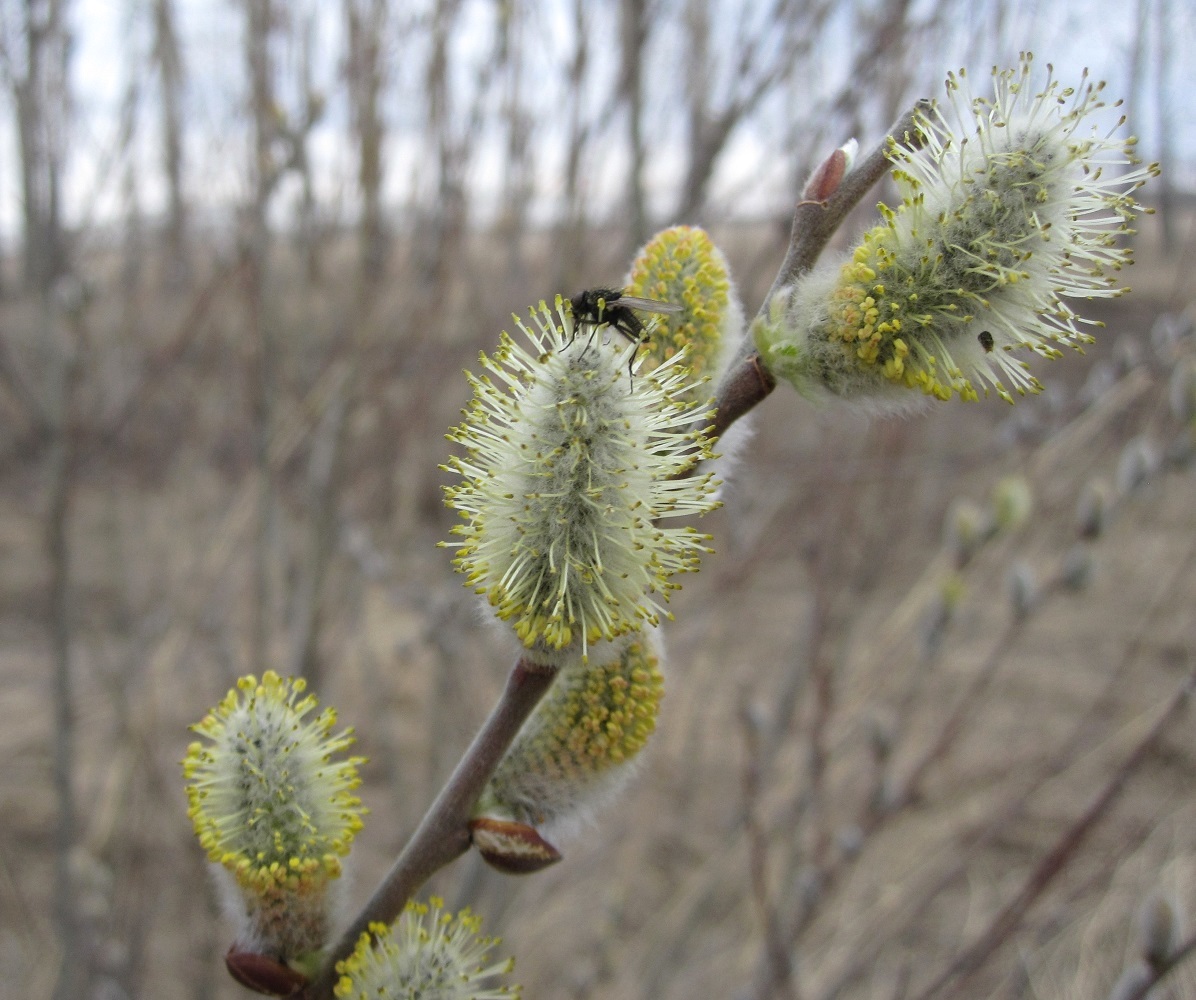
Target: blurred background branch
247,248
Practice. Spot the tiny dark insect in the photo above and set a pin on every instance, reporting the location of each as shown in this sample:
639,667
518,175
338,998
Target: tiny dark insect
986,340
609,306
596,307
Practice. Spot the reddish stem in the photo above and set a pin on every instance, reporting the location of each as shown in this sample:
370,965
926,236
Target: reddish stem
443,834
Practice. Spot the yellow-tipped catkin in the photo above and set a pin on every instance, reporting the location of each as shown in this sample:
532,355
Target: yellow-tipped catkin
273,808
427,954
1011,204
579,744
569,462
682,266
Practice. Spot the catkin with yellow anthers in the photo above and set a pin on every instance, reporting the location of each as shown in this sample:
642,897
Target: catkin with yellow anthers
577,747
570,462
1009,207
426,953
682,266
275,809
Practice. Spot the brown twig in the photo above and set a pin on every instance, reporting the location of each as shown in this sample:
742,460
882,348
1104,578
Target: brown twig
815,222
161,369
61,474
1010,916
953,726
443,834
747,381
777,951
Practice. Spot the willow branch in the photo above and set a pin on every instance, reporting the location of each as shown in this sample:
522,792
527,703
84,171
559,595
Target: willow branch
747,381
443,834
1009,918
782,981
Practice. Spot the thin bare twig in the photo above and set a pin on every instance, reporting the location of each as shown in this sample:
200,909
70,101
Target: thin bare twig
777,951
1010,916
815,222
953,726
61,465
747,380
443,834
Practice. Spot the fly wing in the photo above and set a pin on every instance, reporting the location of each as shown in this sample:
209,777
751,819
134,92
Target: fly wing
649,305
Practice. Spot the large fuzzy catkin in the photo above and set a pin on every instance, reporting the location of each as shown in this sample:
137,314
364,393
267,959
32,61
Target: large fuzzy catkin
275,810
682,266
427,954
570,460
1011,205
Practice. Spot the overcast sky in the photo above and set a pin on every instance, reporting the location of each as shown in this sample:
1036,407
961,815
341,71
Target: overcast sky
111,42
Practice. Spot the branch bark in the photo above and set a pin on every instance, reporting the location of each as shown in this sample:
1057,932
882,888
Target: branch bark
60,466
443,834
366,21
169,60
747,381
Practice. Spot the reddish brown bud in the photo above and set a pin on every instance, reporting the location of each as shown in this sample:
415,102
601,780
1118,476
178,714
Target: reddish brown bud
829,174
263,974
513,848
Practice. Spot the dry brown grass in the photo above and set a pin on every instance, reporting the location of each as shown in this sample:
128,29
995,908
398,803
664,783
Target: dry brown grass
812,611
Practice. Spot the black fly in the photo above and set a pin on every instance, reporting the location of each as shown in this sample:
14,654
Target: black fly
597,307
986,341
